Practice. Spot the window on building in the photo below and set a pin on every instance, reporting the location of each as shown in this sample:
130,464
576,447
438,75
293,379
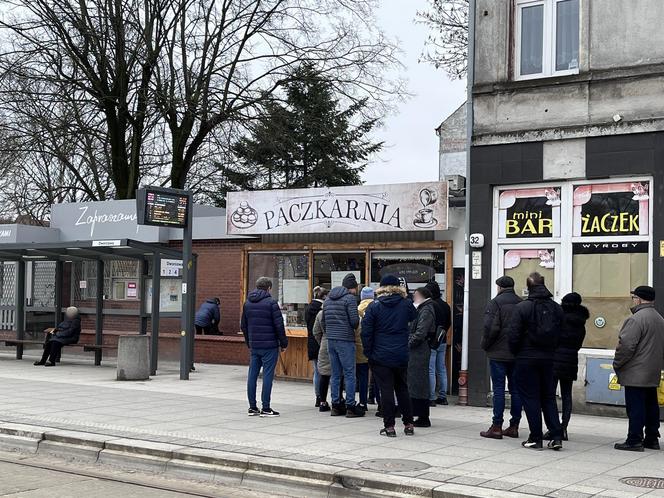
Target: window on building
121,280
289,273
416,268
331,267
547,38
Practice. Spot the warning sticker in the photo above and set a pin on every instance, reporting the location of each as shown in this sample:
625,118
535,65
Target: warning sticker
613,382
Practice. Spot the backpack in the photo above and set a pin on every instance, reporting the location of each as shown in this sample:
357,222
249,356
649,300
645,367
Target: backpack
437,338
545,324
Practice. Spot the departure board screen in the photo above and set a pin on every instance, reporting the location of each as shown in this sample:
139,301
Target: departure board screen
164,208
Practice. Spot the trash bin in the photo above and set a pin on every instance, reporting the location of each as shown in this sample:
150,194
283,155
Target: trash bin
133,357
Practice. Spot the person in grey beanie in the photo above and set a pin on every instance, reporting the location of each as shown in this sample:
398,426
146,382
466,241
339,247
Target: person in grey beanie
341,318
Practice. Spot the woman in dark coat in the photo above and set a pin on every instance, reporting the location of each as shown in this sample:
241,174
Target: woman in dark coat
67,332
567,353
423,327
320,293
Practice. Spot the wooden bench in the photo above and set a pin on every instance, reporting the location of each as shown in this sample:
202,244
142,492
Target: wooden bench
97,349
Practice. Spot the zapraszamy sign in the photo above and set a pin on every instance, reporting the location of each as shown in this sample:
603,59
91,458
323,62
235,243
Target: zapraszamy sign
366,208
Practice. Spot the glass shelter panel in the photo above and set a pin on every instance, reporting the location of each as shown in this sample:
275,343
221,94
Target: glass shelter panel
330,268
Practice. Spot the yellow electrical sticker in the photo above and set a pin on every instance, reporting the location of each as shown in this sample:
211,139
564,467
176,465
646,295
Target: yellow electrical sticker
613,382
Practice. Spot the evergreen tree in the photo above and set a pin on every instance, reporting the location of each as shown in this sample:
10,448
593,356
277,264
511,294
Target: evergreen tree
308,140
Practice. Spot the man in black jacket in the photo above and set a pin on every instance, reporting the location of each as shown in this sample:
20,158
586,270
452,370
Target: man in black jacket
533,339
437,367
501,360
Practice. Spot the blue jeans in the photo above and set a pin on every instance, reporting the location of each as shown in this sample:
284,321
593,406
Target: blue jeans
437,369
363,381
266,358
342,357
316,379
501,370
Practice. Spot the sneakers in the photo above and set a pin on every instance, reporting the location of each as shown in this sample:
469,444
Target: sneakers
422,422
324,407
354,411
39,363
548,437
389,432
364,408
493,432
253,412
628,446
442,401
269,412
532,445
555,445
318,402
512,431
433,404
409,430
338,410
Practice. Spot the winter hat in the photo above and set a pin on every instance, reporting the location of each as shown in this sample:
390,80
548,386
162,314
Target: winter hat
644,292
573,299
389,280
434,288
367,293
505,282
349,281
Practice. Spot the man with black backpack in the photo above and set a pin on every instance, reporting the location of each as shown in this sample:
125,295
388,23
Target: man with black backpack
533,338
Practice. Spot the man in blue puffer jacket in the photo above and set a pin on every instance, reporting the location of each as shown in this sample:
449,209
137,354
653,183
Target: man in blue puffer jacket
341,319
385,332
264,332
207,317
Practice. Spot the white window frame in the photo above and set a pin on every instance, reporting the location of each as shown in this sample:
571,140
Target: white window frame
548,40
564,244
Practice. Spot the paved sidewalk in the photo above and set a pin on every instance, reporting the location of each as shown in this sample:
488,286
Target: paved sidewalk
209,412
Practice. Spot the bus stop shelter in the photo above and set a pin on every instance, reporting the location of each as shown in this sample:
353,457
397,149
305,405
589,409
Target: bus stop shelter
101,252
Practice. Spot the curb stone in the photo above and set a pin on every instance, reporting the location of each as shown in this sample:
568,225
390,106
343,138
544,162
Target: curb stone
295,478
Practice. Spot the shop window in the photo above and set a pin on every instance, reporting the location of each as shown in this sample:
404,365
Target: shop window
547,38
414,267
529,213
290,281
520,263
330,268
604,274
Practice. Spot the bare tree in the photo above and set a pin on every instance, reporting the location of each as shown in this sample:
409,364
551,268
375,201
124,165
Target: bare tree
446,46
156,79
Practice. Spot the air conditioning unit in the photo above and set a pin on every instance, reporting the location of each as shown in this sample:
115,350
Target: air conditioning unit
457,184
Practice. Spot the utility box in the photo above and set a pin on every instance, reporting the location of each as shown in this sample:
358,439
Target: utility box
602,383
133,357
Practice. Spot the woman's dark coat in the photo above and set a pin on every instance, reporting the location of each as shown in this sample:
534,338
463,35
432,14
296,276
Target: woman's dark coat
310,318
571,339
423,327
68,331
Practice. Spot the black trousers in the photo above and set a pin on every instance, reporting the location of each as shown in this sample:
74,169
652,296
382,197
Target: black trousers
52,351
566,397
536,385
391,381
643,411
324,387
421,408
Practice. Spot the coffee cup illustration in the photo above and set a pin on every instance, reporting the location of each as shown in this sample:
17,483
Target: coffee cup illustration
424,218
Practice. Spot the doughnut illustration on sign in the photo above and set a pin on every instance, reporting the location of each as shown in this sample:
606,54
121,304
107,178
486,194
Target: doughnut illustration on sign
244,216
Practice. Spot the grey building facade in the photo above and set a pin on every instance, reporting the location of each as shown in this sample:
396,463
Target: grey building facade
567,164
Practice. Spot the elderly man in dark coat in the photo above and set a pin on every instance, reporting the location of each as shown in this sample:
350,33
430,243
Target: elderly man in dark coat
67,332
638,361
422,329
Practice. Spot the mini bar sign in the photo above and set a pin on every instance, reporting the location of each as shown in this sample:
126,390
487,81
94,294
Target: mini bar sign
367,208
529,213
612,209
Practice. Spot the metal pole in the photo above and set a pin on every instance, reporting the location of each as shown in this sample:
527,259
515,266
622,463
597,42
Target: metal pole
463,373
143,272
154,317
57,301
99,311
187,267
19,319
192,311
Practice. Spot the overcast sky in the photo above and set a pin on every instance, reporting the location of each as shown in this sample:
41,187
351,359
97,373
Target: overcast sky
411,145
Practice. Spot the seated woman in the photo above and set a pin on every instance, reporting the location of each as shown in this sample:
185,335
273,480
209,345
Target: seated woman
67,332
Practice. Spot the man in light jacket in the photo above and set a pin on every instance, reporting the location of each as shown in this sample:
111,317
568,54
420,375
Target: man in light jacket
638,362
341,319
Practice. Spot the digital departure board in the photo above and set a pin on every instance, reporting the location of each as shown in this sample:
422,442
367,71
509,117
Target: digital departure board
163,207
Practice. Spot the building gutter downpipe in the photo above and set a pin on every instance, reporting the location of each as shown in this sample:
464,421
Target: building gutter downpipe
470,77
